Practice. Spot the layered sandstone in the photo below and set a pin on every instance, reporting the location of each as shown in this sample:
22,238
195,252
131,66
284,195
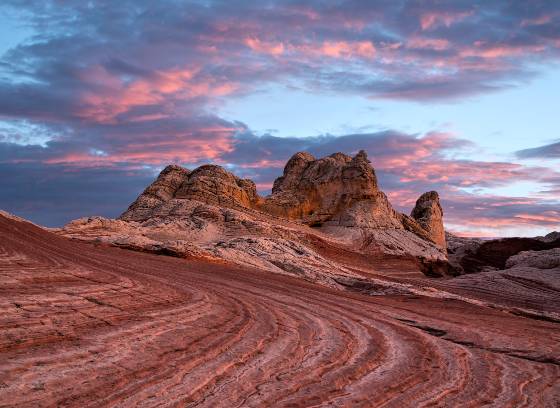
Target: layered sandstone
212,214
209,184
334,190
468,255
83,325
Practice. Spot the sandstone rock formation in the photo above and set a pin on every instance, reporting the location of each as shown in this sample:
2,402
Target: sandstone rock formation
209,184
212,214
161,190
86,325
429,215
546,259
337,190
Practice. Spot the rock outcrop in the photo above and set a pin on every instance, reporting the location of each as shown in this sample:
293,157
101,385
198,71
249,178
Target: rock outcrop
546,259
429,214
334,190
161,190
472,255
209,184
212,214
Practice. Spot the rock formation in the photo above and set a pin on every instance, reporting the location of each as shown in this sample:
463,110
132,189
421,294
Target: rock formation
467,255
546,259
209,184
429,215
87,325
212,214
336,190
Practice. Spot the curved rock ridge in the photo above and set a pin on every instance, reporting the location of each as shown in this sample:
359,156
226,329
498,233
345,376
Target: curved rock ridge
83,325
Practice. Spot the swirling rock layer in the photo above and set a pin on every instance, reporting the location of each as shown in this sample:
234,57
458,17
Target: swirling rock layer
86,325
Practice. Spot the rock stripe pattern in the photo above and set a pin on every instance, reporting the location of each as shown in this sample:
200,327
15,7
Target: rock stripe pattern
88,326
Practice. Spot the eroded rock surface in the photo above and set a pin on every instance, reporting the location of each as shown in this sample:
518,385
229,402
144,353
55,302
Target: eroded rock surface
335,199
83,324
546,259
429,214
468,255
338,190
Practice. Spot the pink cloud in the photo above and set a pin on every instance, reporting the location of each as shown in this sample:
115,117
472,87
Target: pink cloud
548,217
434,18
332,49
344,49
264,47
491,51
116,96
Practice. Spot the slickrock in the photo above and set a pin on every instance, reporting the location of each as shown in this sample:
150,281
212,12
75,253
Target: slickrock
429,214
546,259
84,325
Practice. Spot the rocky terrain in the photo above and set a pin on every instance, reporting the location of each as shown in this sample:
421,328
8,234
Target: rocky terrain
320,294
86,324
334,201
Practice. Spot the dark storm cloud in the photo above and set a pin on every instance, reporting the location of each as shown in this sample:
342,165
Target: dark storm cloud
52,195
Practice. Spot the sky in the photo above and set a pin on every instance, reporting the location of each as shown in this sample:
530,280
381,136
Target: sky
461,97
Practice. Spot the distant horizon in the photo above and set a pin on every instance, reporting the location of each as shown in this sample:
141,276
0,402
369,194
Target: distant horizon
458,97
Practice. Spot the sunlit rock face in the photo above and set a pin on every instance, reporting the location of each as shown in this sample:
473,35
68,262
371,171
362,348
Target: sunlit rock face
211,213
161,190
429,214
337,190
209,184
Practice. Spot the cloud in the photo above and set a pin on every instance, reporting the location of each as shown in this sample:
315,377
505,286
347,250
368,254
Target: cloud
103,94
66,179
549,151
53,195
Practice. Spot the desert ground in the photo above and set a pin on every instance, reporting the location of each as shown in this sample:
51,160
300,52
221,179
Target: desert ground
88,325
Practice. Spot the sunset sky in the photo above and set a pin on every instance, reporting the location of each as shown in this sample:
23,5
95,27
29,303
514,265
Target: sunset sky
462,97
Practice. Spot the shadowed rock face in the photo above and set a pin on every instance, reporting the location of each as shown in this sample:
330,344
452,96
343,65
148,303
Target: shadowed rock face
475,255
